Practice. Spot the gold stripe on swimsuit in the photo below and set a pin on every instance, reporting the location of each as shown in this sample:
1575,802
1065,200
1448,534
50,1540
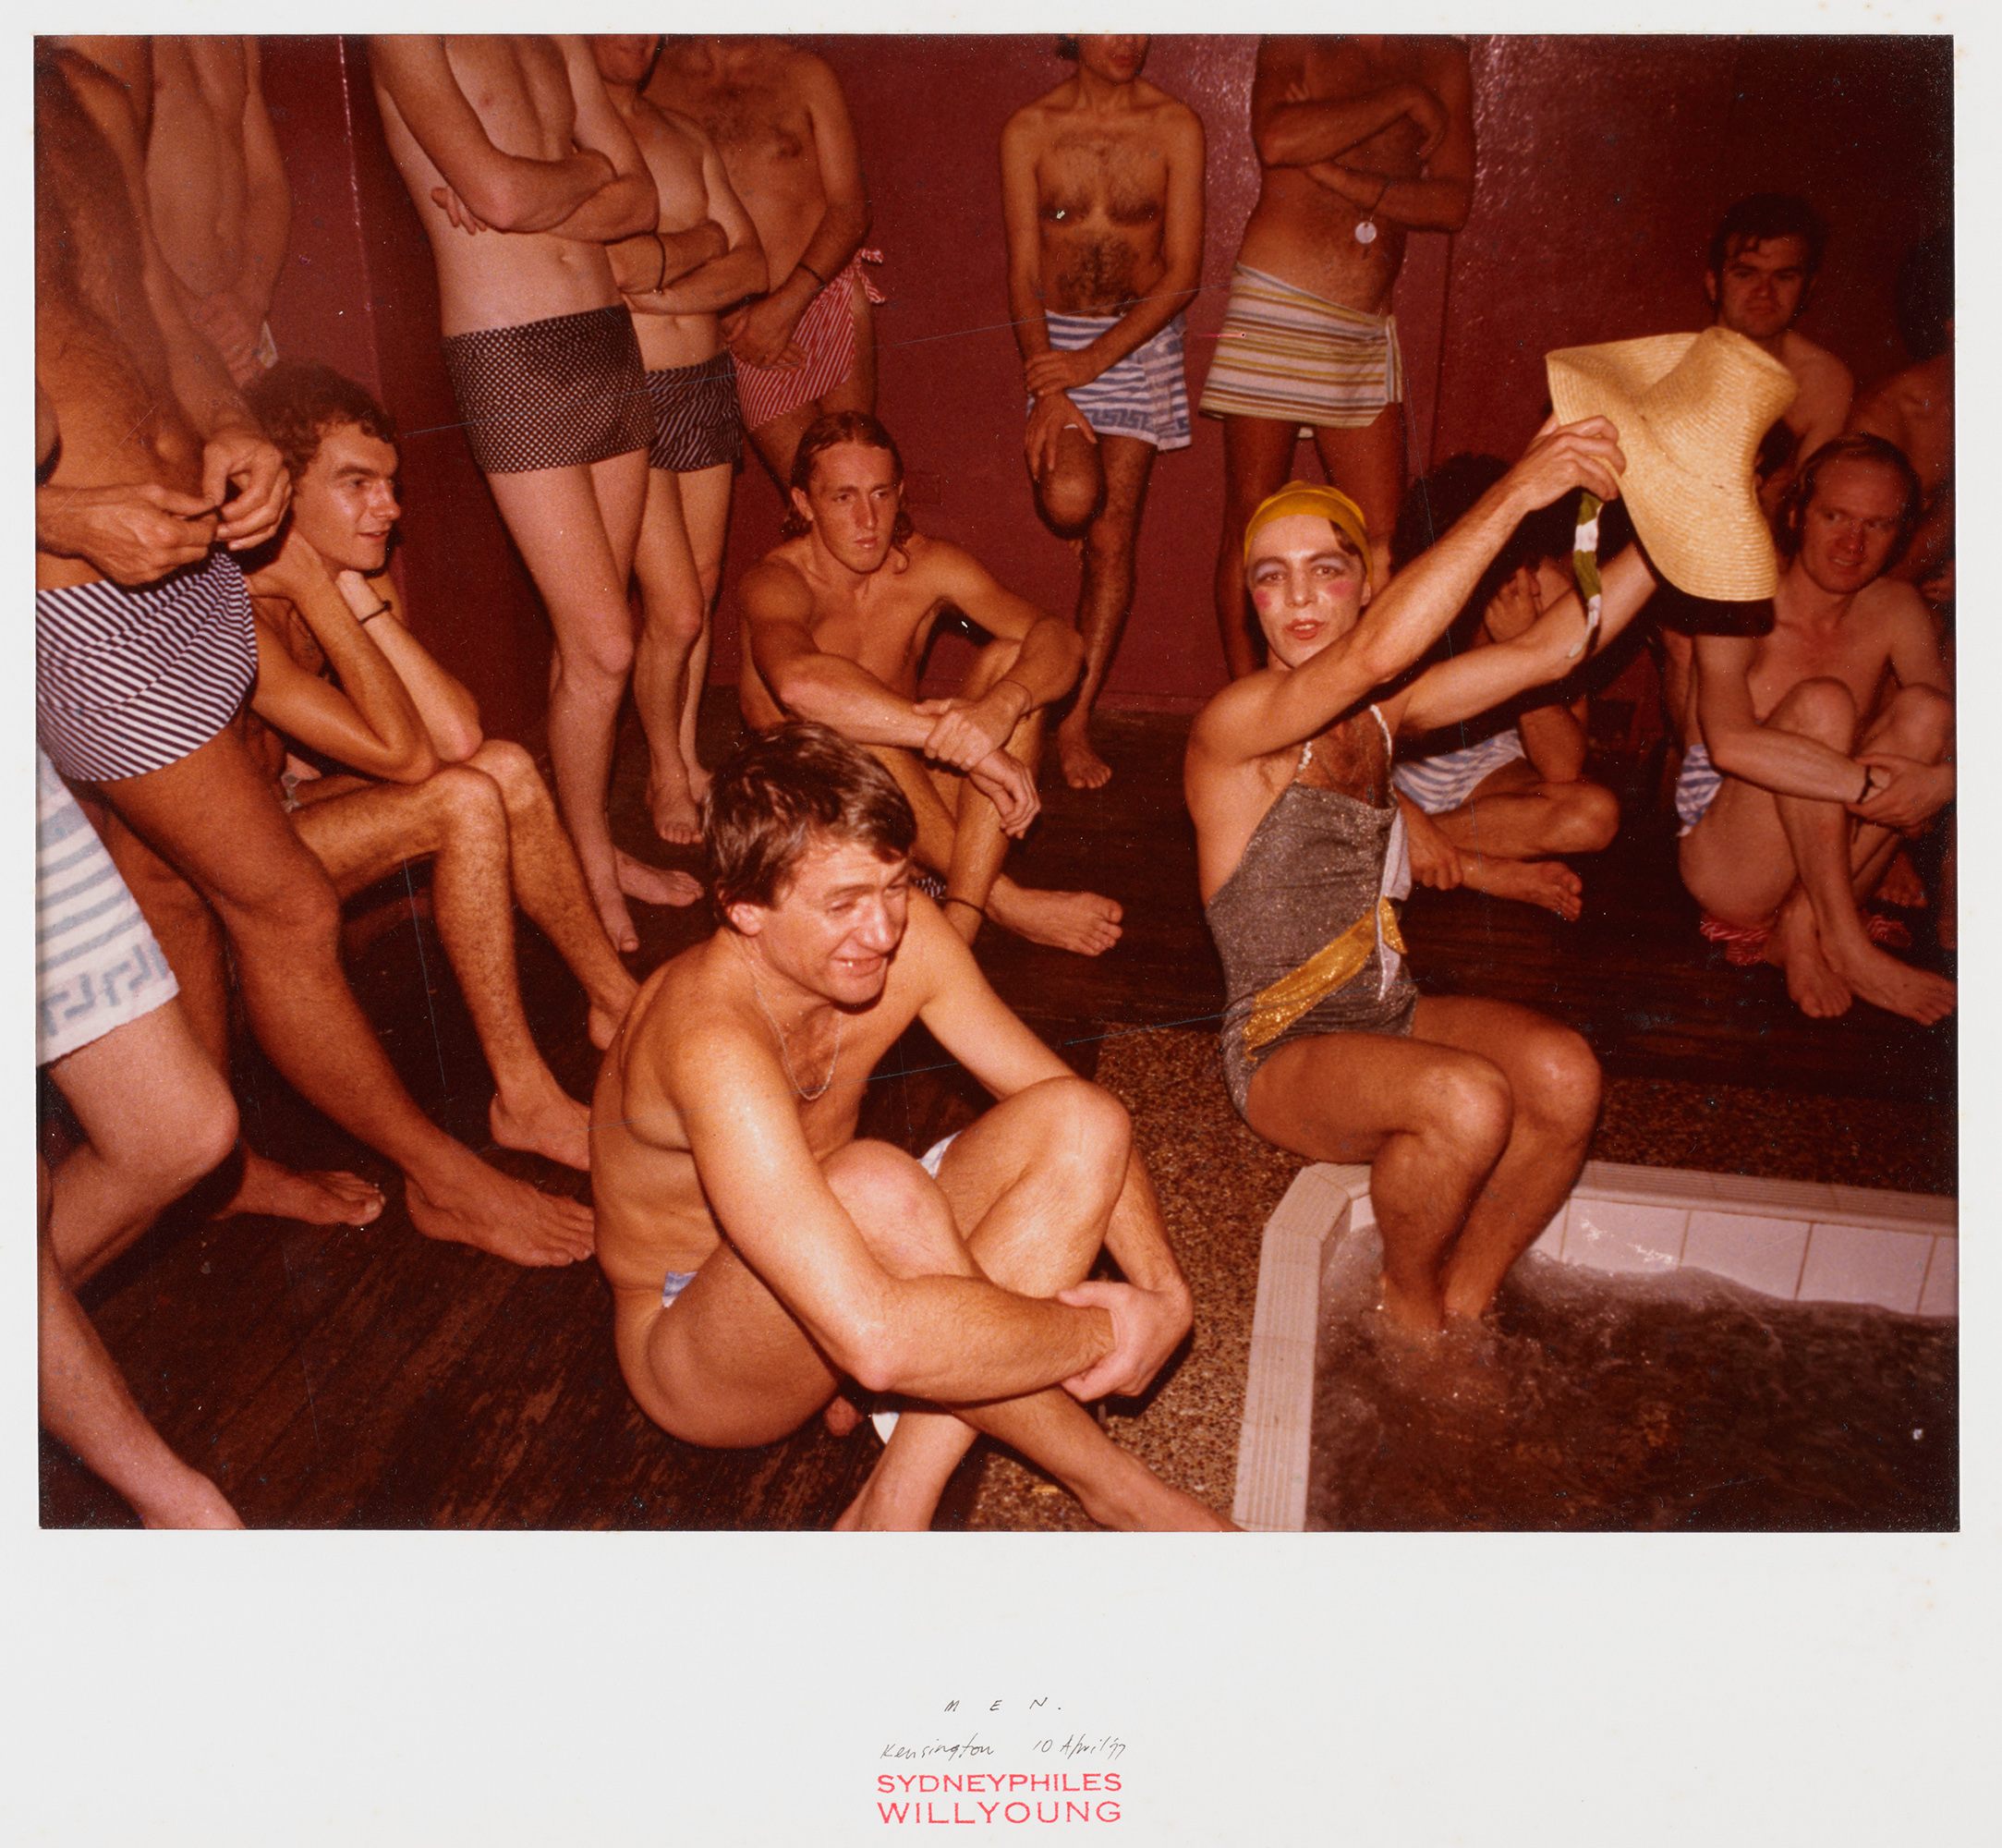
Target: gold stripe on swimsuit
1329,968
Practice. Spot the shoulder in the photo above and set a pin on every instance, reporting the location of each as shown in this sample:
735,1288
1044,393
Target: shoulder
1819,371
797,68
1891,607
775,586
1030,123
1219,724
1171,116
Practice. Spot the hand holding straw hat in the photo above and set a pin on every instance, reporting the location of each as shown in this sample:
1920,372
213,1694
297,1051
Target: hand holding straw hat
1689,409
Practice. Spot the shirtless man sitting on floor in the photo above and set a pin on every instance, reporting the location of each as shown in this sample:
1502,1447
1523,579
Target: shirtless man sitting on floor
1474,1115
1811,749
325,606
1494,814
838,620
758,1253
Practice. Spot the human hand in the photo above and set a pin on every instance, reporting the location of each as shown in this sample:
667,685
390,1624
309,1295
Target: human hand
458,212
968,730
1429,113
135,532
762,333
1049,418
291,569
1434,861
1913,794
1148,1326
1514,607
1009,788
240,455
1564,455
1055,372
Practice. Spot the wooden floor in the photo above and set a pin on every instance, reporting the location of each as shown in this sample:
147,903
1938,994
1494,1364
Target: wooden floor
335,1378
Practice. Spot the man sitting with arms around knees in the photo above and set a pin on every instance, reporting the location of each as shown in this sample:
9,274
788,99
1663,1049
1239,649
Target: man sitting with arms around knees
1474,1115
1494,813
1810,751
324,604
758,1253
838,620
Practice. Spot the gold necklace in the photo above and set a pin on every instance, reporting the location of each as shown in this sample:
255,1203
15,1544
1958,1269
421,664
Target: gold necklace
841,1021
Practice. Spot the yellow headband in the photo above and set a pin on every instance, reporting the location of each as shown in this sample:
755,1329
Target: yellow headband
1327,504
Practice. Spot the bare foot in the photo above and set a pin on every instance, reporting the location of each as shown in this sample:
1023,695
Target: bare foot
1896,986
474,1204
1795,946
1902,885
1083,767
1549,883
652,884
841,1417
1065,920
192,1501
676,817
558,1126
330,1197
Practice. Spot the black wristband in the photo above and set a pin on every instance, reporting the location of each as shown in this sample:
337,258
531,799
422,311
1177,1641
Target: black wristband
379,609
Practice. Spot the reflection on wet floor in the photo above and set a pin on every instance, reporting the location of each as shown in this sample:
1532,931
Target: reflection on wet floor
1592,1402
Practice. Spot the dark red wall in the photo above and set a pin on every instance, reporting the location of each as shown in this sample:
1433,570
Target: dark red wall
1602,163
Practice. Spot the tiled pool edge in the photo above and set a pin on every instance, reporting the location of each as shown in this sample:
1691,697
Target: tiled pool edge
1792,1239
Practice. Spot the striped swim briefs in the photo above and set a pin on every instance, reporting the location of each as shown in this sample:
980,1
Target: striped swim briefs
1446,780
1696,786
826,335
97,965
1146,394
130,681
696,420
1288,354
551,394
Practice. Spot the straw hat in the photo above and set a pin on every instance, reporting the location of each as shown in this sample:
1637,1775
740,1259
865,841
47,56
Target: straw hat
1689,409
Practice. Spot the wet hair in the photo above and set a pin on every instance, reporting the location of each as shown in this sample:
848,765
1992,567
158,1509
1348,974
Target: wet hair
298,401
1764,216
828,432
780,791
1065,46
1925,294
1877,450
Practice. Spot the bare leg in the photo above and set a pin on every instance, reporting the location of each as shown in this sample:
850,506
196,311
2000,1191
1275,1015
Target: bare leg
192,940
576,529
704,505
1367,464
548,885
1104,599
1474,1128
213,814
86,1404
1743,859
739,1371
1514,820
1257,457
673,654
156,1117
455,816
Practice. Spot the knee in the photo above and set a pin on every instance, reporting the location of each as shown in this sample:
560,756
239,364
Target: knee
1921,723
1821,707
603,657
1070,493
1095,1128
511,771
1467,1104
898,1208
1588,819
1558,1082
467,801
675,620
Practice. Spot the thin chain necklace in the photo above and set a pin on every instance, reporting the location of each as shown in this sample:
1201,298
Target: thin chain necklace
841,1021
